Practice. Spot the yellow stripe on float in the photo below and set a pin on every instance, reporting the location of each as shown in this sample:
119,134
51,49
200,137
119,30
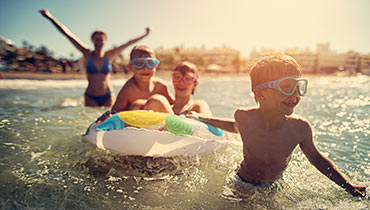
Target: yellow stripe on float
141,118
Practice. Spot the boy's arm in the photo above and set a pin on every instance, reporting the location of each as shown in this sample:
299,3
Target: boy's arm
121,101
65,31
223,123
116,51
167,94
120,105
202,107
325,166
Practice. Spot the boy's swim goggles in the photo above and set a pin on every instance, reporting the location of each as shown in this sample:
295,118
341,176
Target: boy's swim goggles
139,63
189,78
287,85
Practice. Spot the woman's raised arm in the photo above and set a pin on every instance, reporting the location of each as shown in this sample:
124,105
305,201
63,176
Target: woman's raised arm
116,51
64,30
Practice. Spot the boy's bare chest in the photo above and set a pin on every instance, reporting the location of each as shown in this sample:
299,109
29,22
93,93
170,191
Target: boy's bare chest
273,143
144,94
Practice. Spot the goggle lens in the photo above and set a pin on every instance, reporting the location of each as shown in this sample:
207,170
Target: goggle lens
288,86
176,77
302,87
189,78
139,63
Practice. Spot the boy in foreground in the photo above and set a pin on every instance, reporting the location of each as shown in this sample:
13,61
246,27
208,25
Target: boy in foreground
142,85
270,132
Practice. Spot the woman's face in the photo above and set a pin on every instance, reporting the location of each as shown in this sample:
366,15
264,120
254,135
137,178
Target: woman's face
184,82
99,40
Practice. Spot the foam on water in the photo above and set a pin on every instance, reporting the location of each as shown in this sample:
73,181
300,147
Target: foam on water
45,163
25,84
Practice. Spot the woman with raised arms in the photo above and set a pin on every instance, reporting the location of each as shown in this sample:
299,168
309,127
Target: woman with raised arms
99,91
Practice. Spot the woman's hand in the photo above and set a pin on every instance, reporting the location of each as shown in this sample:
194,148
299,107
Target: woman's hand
148,29
45,13
190,114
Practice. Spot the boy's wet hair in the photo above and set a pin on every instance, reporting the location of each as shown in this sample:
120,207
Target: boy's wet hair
187,66
141,51
272,68
98,32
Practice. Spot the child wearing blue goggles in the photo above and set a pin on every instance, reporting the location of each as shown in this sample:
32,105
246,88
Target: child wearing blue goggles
139,63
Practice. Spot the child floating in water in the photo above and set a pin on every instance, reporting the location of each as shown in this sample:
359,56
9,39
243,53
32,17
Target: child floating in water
270,132
140,87
185,80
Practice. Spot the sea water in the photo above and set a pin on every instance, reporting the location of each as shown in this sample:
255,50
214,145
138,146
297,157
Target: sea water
45,162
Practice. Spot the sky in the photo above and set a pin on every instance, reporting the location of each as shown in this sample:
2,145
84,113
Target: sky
243,25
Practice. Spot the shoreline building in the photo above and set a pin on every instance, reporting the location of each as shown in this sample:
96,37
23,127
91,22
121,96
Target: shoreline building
225,59
324,60
306,59
364,63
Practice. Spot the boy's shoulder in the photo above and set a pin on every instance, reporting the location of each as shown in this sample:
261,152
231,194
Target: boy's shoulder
129,86
245,114
159,83
246,111
129,83
299,122
157,80
297,118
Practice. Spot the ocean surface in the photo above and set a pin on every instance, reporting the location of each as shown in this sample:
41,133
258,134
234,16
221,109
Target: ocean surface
45,162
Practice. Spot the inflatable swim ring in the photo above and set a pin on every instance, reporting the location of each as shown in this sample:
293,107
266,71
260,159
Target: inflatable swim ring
148,133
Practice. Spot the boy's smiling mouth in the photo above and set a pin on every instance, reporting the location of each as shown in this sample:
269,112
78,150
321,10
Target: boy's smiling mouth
290,103
181,89
145,74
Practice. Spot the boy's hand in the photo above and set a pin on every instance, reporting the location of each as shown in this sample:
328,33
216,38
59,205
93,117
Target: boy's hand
357,190
105,116
191,114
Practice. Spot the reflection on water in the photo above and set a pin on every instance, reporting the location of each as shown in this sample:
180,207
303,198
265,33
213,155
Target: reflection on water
46,163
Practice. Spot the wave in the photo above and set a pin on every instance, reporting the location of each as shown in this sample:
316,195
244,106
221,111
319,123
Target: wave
28,84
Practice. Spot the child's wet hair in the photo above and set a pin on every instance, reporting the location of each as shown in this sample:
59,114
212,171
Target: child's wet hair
98,32
141,51
187,66
274,67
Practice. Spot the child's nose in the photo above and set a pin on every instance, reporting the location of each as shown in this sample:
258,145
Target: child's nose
145,68
295,93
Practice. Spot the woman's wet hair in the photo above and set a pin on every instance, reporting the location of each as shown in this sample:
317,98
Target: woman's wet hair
98,32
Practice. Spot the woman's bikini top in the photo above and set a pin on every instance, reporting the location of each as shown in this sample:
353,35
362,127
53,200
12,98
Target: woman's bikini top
91,69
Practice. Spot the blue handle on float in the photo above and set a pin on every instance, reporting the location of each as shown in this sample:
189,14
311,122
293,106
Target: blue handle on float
214,130
112,123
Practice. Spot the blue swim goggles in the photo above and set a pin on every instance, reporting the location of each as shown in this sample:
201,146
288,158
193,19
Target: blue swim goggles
139,63
287,85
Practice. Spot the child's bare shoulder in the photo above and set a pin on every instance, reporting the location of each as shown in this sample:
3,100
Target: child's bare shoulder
299,121
159,84
249,110
129,86
243,113
158,81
